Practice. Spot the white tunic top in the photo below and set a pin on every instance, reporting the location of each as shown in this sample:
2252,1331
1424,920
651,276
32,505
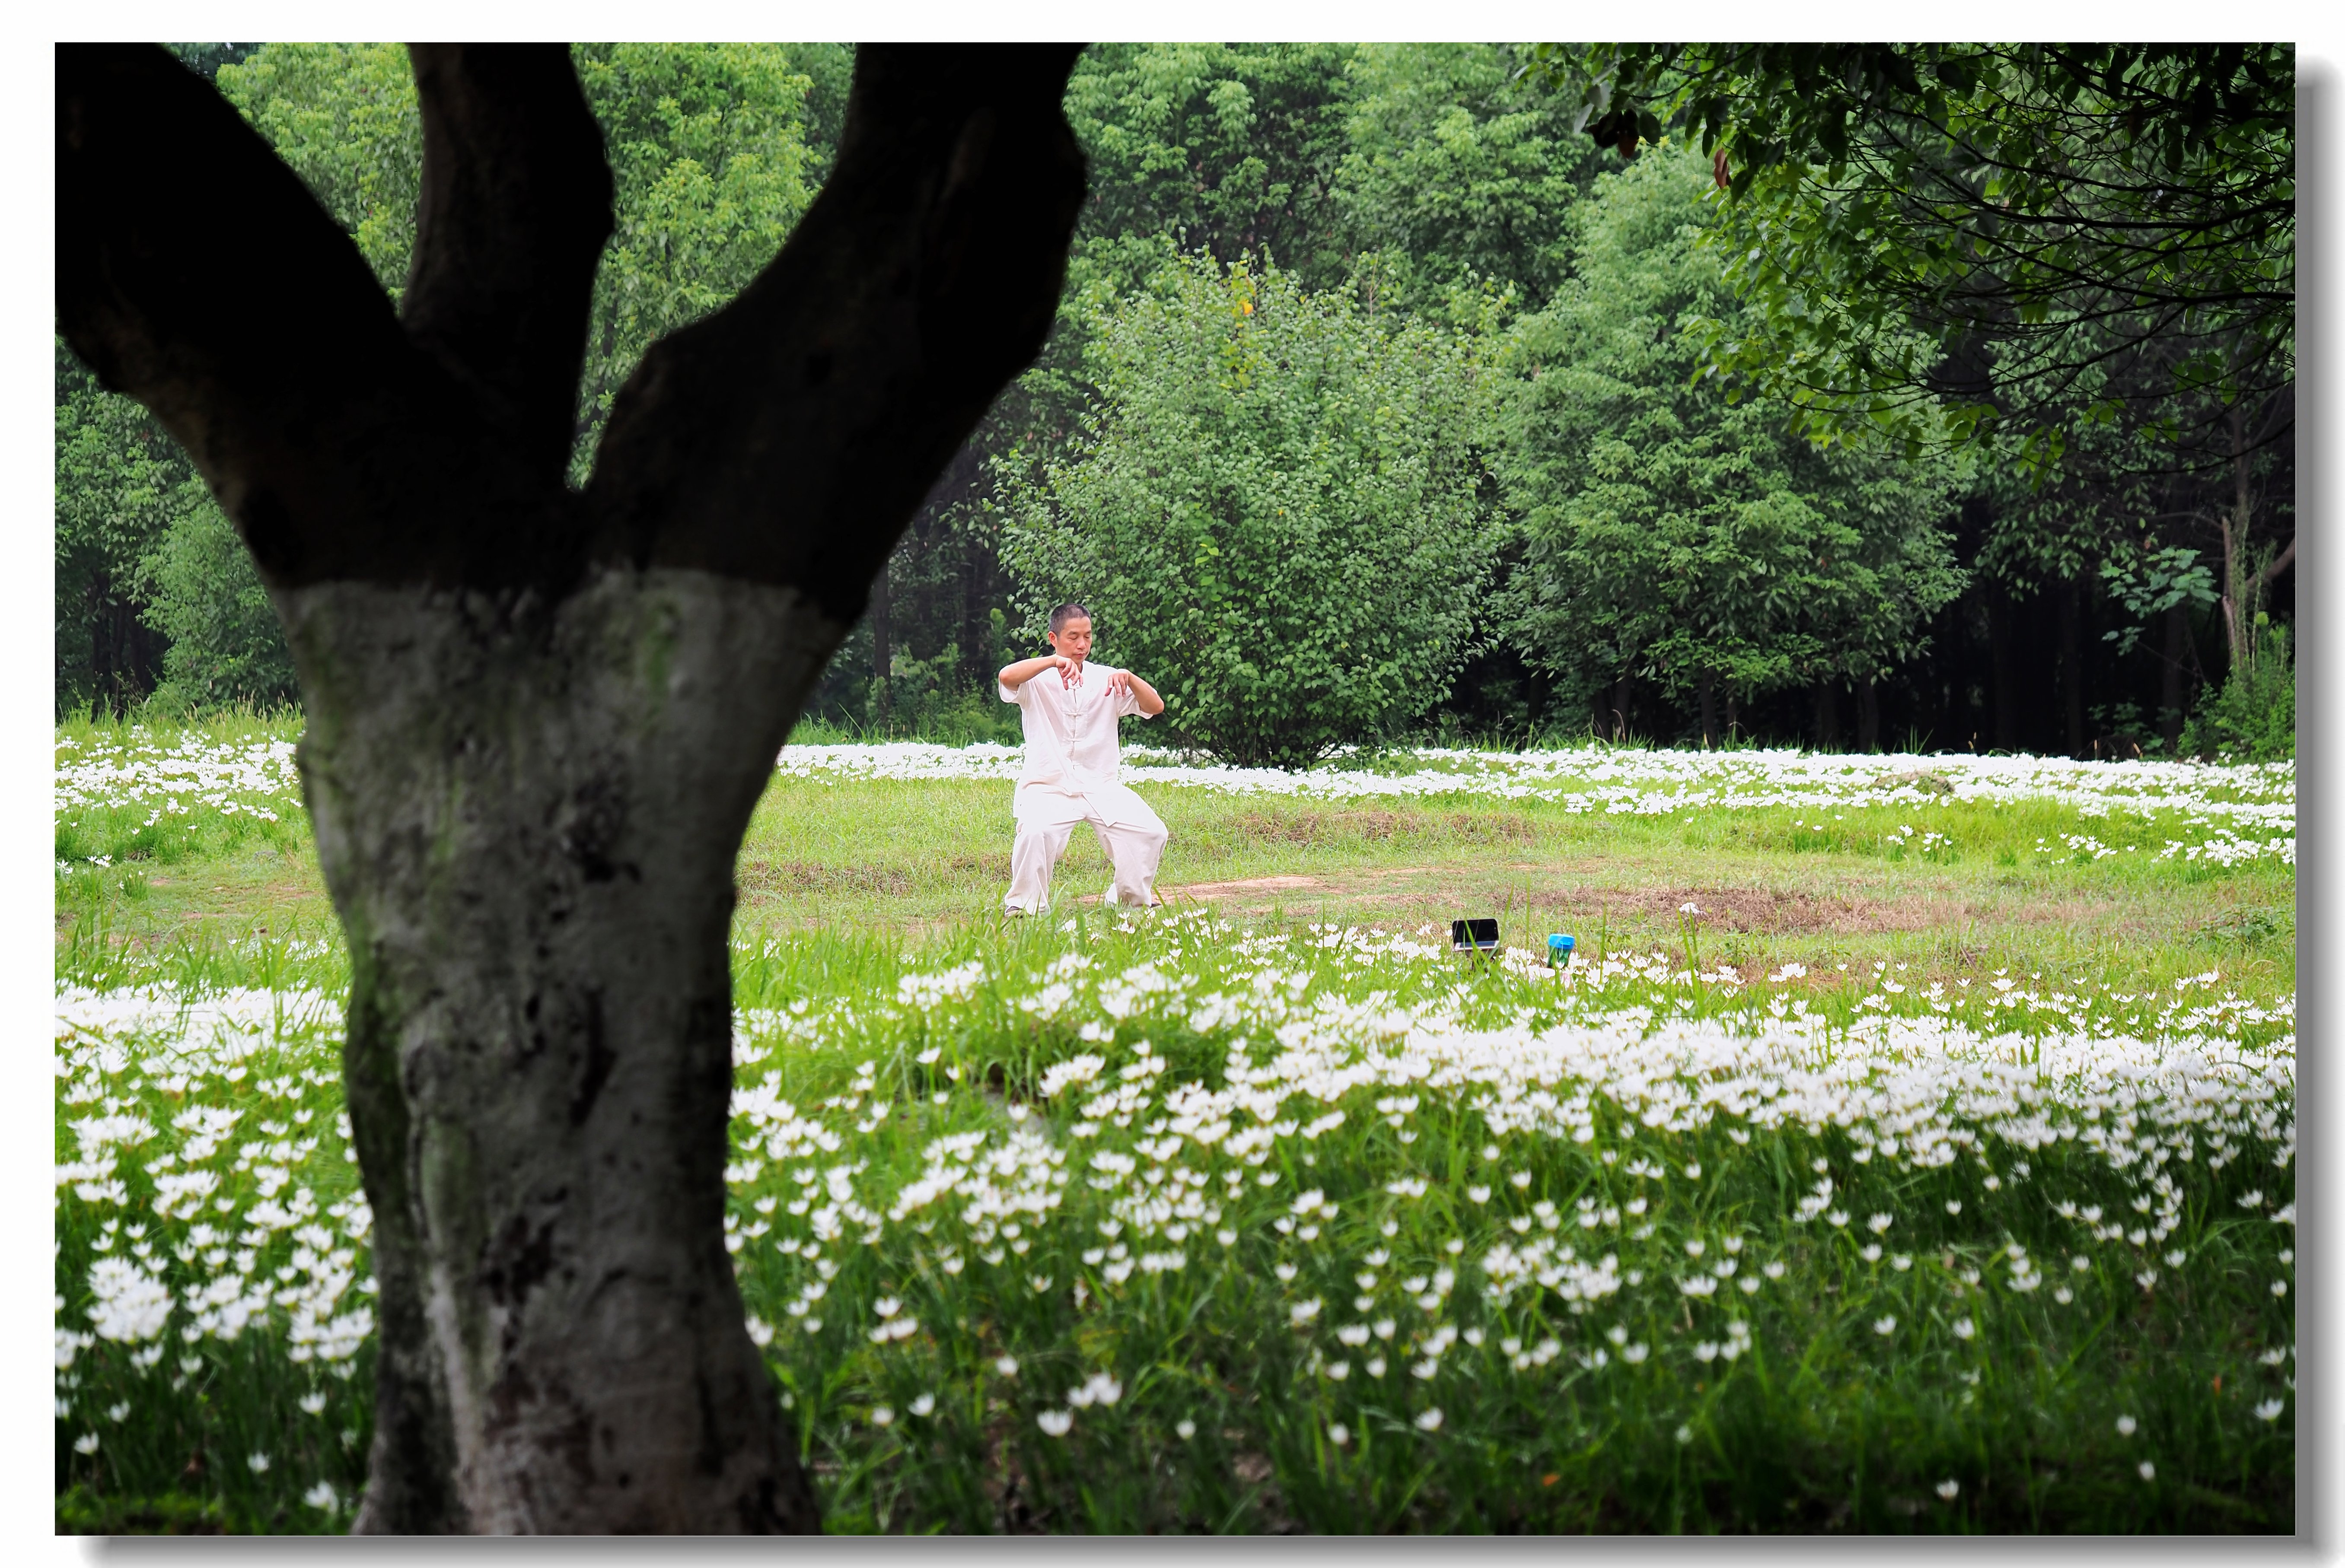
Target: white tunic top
1072,755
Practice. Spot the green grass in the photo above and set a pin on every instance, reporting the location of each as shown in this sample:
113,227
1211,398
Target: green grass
926,856
886,1008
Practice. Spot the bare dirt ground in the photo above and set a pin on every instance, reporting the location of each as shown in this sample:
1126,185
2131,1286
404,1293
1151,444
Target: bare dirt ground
1407,891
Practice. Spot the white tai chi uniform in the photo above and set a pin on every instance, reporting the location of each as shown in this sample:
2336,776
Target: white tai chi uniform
1071,758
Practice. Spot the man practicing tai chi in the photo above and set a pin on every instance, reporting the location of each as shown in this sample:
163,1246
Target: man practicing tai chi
1070,708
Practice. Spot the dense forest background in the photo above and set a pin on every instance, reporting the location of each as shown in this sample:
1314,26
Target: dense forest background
1383,403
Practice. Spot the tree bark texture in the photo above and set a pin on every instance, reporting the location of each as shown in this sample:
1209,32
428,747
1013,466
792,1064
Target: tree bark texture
539,719
2238,609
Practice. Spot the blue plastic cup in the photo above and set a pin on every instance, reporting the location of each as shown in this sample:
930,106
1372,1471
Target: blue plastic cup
1558,950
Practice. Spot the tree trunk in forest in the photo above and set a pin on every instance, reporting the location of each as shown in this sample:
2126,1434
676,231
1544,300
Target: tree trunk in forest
2170,698
2072,672
1999,633
2235,613
1827,716
121,652
1621,693
1733,714
1706,691
539,719
1868,716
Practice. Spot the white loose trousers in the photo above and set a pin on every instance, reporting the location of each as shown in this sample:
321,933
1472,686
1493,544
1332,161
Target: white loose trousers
1135,843
1070,776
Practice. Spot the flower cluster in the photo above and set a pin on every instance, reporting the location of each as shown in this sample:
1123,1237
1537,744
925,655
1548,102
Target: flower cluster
1643,782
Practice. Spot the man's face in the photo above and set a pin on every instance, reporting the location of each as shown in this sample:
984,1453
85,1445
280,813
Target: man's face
1074,639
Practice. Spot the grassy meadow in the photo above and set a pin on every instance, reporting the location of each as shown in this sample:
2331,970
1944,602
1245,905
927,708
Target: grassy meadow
1909,1147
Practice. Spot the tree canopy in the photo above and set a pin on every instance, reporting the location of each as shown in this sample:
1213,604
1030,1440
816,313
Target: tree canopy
1673,535
2073,263
1959,240
1274,510
709,156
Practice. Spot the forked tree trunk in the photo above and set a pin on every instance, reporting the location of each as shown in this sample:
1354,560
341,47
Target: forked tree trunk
538,721
526,814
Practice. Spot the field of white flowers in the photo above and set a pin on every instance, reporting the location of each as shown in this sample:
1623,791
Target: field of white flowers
1174,1223
114,797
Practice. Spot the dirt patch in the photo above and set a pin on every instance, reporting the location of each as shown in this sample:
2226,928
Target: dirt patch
1490,827
1415,892
1312,825
1250,884
807,876
1772,912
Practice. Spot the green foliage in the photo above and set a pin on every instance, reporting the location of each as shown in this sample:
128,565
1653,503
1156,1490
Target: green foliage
206,59
707,147
1671,531
1274,512
343,117
708,150
226,645
2149,581
1233,147
1458,171
2253,718
2034,209
830,70
120,481
81,1512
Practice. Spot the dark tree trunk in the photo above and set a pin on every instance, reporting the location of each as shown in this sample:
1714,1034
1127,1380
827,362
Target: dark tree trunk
1734,715
538,720
1622,694
2171,697
122,655
1999,635
1868,716
2071,671
1706,691
1827,716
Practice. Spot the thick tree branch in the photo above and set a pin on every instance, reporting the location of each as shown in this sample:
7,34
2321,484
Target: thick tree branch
511,221
197,275
787,438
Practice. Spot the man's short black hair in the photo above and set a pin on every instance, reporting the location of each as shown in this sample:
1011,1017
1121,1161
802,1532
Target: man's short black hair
1065,613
